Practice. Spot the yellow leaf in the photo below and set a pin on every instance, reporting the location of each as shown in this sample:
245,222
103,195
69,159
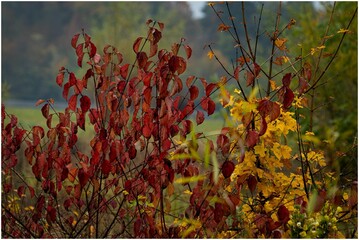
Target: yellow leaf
273,86
342,30
210,54
280,43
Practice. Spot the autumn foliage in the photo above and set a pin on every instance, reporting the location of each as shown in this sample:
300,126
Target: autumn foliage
147,172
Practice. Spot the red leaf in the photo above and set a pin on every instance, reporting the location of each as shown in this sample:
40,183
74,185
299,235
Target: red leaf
21,191
223,143
188,50
252,183
146,131
51,213
189,81
210,88
155,35
199,117
60,78
257,69
80,50
236,73
153,49
74,40
193,92
288,98
142,59
307,71
40,101
106,167
32,191
93,49
263,128
124,71
73,102
211,107
303,85
45,110
218,212
227,168
132,152
283,214
267,107
72,79
161,25
83,177
250,78
136,44
252,138
85,103
287,79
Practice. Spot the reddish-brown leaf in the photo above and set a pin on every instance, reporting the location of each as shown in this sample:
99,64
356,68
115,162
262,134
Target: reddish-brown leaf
93,49
72,79
74,40
106,167
267,107
287,79
193,90
146,131
132,152
236,72
283,214
252,183
211,107
189,81
157,35
79,50
153,50
250,78
124,71
199,117
73,102
263,128
40,101
223,143
288,98
257,69
45,110
188,50
252,138
227,168
83,177
142,59
161,25
21,191
307,71
136,44
85,103
303,85
209,88
218,212
175,48
60,78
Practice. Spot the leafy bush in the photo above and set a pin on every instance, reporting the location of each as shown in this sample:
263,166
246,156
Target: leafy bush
148,173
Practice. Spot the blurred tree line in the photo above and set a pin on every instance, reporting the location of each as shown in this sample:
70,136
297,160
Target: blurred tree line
36,43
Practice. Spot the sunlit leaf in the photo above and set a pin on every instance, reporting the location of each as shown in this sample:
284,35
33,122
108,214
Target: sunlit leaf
185,180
